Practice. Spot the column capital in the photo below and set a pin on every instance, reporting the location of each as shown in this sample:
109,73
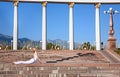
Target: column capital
44,4
16,3
97,5
71,4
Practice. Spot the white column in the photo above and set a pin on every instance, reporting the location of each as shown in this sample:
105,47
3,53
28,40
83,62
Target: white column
71,27
97,23
44,23
15,32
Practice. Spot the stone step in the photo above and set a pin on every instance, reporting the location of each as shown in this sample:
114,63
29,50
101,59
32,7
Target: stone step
58,70
55,68
62,71
60,75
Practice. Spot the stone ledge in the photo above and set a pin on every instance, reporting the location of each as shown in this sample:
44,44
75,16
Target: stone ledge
70,65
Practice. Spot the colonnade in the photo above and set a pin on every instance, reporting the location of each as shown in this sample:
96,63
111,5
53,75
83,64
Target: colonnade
44,25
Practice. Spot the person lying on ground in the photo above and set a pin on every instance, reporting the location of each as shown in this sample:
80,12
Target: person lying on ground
30,61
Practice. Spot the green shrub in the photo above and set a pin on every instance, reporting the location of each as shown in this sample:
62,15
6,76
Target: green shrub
117,51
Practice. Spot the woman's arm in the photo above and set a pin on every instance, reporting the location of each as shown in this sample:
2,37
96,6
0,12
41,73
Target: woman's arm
39,60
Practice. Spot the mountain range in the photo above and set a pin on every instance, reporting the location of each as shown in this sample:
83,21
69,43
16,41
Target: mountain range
7,40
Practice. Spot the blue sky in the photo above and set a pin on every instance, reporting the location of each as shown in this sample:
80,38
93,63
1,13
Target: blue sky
30,15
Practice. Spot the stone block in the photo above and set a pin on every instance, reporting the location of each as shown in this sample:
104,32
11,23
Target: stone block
1,66
112,44
71,75
3,72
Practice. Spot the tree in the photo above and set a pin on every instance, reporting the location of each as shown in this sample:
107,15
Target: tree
50,46
86,46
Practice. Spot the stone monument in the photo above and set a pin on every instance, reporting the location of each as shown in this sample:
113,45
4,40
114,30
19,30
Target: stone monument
111,39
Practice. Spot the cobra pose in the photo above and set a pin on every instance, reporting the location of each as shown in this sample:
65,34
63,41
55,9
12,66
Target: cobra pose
30,61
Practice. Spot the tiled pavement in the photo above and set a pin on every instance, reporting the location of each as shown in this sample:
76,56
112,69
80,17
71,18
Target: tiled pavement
58,64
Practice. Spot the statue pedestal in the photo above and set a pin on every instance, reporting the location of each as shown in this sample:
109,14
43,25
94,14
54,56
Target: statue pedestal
112,43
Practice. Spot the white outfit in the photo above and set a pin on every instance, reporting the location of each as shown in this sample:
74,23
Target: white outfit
33,60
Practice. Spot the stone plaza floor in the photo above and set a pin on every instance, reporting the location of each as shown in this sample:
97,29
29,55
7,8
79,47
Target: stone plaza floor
62,63
55,56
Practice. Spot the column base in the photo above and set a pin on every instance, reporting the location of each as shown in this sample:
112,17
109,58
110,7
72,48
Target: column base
111,43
